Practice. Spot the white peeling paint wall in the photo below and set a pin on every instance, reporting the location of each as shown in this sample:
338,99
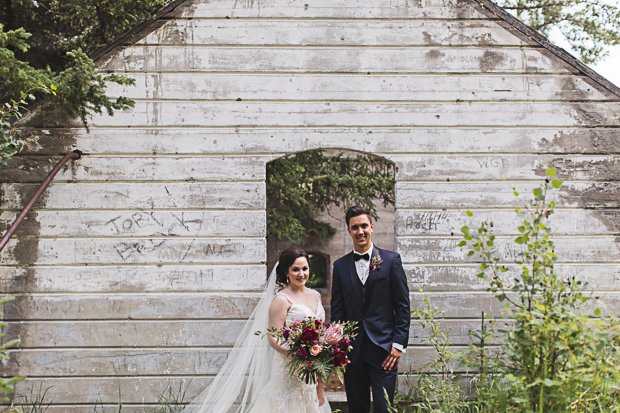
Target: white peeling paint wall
140,263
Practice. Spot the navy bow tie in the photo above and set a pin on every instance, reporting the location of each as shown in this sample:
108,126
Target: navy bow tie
361,257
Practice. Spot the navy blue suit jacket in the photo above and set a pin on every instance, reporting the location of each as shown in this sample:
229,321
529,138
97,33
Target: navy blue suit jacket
385,316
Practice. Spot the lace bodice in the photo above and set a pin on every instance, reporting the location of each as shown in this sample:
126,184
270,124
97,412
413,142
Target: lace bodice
300,312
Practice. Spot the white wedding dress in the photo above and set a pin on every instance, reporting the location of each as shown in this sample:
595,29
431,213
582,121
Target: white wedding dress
254,378
285,393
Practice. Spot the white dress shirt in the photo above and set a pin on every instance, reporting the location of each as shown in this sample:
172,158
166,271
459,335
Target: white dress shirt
363,266
363,270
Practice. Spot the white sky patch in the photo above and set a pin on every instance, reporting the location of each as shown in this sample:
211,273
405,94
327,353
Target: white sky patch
609,67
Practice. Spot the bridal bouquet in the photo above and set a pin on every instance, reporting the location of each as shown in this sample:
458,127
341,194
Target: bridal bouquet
324,345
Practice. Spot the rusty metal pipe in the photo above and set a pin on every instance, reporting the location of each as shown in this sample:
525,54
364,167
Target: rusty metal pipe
35,197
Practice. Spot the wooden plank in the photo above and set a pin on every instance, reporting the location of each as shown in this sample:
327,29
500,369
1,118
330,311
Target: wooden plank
219,306
463,277
569,249
138,394
125,333
138,223
143,278
175,195
454,277
390,87
562,222
271,32
82,390
364,9
64,251
133,334
142,362
139,168
389,140
138,306
461,195
252,251
427,59
194,114
410,167
490,167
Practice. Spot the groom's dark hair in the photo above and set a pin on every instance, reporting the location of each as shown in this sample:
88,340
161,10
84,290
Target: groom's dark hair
356,211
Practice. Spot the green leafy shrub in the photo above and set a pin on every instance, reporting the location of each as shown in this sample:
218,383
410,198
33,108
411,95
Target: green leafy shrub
555,358
6,385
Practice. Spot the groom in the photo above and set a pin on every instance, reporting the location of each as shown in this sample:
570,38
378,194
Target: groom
370,286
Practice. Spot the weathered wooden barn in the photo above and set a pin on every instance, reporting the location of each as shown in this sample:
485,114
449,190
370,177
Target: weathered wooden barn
139,264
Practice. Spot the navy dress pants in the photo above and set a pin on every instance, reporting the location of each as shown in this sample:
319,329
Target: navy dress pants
367,372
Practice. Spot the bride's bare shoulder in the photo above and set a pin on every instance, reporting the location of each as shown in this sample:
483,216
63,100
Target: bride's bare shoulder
281,300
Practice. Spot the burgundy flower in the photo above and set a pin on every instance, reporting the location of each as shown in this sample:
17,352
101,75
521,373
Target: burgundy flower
318,323
301,353
339,358
309,335
344,345
285,334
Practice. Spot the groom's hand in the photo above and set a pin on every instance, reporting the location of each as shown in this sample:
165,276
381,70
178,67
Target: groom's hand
392,359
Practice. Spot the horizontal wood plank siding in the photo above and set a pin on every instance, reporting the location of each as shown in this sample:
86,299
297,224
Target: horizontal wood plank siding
141,262
373,87
379,140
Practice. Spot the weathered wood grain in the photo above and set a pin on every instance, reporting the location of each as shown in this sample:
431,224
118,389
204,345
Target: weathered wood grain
185,333
139,168
143,362
138,306
325,9
491,167
219,306
463,277
505,221
139,394
410,167
427,59
135,250
569,249
461,195
143,278
81,390
471,305
244,113
454,277
126,333
173,195
271,32
390,87
138,223
390,140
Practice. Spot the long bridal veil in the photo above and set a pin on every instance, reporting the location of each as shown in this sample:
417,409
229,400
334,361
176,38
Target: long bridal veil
247,370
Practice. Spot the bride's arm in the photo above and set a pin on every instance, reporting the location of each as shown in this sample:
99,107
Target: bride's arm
277,318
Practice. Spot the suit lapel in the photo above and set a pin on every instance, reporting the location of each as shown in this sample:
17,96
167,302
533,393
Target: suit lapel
355,280
370,282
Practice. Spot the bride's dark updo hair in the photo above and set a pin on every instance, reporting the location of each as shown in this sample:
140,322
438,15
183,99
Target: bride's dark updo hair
286,260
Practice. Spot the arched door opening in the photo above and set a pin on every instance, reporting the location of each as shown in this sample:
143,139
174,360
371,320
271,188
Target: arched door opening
307,196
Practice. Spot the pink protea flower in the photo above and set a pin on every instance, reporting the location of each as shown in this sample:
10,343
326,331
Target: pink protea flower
333,334
315,350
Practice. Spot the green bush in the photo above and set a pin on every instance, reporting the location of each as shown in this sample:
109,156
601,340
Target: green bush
555,358
6,385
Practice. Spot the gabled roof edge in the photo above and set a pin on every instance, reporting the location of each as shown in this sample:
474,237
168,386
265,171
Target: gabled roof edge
134,30
544,42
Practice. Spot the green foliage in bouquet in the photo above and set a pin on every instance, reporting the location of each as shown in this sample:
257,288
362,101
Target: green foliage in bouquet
555,358
6,385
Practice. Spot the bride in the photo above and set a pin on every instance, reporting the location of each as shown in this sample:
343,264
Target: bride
255,377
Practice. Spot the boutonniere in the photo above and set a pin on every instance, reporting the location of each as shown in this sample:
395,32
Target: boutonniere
375,263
